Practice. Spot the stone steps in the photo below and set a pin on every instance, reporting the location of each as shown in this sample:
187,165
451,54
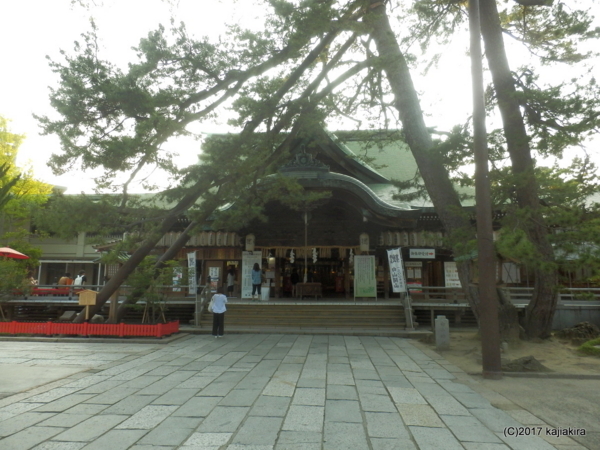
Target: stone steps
313,315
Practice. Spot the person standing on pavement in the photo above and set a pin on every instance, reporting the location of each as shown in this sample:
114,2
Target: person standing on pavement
218,311
256,280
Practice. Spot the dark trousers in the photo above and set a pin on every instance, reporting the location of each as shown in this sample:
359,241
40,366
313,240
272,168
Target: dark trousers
218,324
256,287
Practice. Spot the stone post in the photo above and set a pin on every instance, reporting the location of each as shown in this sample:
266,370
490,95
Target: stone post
442,333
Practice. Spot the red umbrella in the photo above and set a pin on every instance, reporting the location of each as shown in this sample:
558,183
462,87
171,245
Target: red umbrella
10,253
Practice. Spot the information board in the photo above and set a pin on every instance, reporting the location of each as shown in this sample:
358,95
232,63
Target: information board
192,284
365,281
451,275
177,277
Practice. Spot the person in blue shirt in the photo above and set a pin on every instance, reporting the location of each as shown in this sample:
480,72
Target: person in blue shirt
256,280
218,311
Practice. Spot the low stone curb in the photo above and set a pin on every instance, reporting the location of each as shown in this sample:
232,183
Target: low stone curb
104,340
565,376
417,334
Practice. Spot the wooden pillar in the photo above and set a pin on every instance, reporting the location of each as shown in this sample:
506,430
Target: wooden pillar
386,277
202,281
277,280
347,276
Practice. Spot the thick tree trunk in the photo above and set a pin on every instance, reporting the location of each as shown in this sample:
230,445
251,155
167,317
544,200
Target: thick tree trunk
489,329
510,330
540,312
432,170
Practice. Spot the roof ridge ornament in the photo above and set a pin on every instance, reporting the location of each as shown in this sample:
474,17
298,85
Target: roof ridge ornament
304,161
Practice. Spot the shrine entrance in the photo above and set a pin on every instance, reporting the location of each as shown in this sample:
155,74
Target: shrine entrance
330,273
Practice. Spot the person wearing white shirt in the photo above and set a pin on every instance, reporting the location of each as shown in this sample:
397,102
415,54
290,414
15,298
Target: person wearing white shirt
218,311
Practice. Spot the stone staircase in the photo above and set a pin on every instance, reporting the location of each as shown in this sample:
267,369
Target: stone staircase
311,317
320,317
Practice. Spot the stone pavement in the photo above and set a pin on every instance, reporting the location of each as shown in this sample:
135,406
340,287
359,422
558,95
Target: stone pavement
249,392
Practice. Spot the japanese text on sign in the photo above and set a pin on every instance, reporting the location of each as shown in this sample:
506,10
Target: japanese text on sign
423,253
451,274
365,282
396,270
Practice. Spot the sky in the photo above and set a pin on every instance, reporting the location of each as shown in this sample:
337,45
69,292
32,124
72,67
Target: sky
33,29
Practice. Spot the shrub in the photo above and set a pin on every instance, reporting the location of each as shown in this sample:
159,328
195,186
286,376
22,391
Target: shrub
590,347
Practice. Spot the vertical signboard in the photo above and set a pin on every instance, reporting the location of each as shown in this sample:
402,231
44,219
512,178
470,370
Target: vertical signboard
451,275
414,276
365,281
248,260
177,277
396,270
214,273
192,286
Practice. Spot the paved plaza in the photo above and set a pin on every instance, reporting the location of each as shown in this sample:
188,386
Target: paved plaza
249,392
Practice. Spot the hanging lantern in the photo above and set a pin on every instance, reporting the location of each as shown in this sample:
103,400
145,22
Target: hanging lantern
351,257
292,256
364,242
314,255
250,243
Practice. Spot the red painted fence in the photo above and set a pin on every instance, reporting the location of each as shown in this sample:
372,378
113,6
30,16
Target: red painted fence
90,329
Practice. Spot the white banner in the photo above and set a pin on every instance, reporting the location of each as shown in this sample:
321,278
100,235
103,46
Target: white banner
193,287
451,275
248,260
396,270
365,281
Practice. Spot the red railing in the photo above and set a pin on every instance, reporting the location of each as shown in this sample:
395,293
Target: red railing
90,329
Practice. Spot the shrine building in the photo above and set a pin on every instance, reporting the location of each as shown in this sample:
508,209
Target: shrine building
323,243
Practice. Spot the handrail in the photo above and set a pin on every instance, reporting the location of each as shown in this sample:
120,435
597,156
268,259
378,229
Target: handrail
519,294
424,294
201,303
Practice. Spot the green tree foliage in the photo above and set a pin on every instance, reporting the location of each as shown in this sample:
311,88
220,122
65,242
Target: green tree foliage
20,194
553,33
569,202
149,285
97,215
8,183
13,279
